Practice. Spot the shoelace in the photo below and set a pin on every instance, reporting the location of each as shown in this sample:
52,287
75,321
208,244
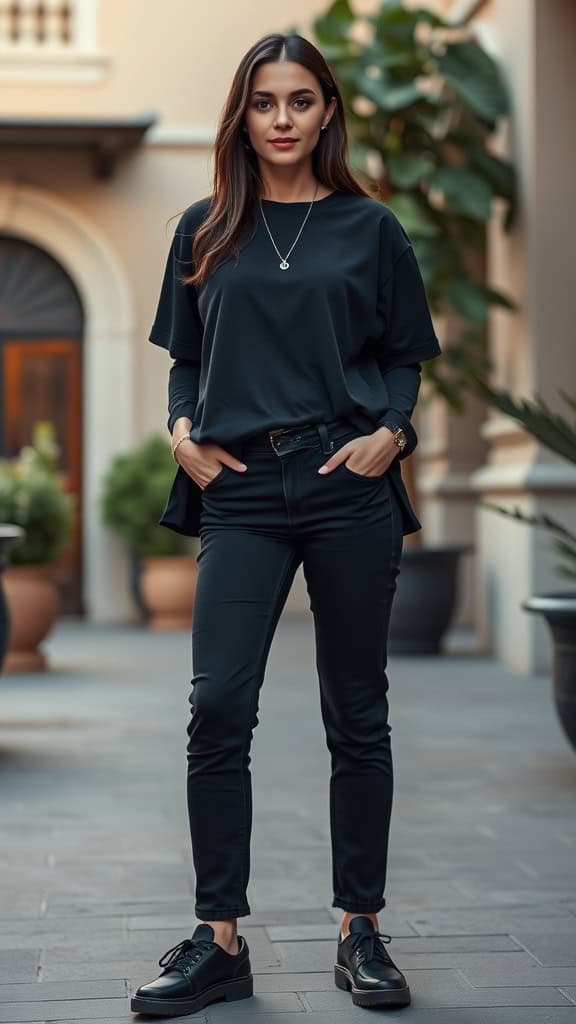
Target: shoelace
373,948
185,954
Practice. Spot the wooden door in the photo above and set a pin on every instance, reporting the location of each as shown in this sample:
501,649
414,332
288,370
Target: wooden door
42,380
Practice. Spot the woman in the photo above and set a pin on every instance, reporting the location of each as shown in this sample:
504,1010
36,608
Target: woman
295,312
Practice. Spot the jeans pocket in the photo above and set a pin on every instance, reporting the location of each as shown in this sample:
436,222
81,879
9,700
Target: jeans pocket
218,476
339,443
362,476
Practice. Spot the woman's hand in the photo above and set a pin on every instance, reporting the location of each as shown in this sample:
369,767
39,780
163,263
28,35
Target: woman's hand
202,462
369,455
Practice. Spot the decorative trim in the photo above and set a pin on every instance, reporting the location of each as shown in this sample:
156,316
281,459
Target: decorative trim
84,251
502,428
524,478
53,65
184,135
454,484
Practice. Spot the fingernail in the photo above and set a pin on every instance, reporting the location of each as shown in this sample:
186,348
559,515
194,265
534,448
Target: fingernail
322,469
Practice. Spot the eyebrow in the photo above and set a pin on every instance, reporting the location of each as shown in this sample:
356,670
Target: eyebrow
295,92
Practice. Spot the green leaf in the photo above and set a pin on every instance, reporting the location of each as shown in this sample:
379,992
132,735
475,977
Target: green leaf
500,174
412,215
468,298
406,169
388,97
395,24
335,23
475,77
464,191
537,418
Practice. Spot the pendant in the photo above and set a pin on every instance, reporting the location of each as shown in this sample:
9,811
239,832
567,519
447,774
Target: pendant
284,265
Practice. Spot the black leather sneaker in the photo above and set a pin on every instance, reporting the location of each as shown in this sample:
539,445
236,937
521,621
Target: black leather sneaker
196,972
366,969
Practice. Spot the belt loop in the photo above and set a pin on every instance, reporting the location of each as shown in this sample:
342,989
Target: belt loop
327,445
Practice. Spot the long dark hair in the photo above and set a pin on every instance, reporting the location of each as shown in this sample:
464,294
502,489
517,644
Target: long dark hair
237,182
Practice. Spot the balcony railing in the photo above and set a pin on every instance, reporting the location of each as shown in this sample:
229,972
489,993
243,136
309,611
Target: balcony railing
50,40
31,24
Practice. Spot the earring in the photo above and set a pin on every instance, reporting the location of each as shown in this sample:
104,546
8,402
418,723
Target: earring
324,127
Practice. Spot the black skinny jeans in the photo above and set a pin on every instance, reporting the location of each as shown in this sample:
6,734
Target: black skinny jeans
256,528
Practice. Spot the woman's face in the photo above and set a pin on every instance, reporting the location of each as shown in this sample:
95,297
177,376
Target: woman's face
286,101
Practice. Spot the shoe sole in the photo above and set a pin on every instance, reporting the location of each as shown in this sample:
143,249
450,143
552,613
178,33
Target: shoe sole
362,997
229,990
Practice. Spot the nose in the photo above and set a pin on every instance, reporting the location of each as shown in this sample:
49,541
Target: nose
282,117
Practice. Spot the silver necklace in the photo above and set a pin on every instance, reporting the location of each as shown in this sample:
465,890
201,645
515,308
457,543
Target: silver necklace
284,259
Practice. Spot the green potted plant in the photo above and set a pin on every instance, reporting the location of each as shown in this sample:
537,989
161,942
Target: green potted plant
558,608
422,99
132,500
32,498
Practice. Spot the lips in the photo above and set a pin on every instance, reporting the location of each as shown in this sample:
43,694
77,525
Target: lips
276,142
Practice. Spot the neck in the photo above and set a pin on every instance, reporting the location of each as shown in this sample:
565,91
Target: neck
285,188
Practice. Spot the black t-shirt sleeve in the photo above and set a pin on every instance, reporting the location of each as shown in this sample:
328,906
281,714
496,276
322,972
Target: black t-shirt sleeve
409,334
177,324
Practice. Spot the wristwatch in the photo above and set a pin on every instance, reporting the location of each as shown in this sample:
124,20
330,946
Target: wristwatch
399,435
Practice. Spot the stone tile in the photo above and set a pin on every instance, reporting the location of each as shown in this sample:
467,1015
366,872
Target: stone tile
550,950
276,981
490,920
19,965
77,1009
54,991
297,933
491,971
420,1015
447,989
480,889
101,970
259,1004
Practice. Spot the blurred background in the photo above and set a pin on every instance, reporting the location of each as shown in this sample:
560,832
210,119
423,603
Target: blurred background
107,118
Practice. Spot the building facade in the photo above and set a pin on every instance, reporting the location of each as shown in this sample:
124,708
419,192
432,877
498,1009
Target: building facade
107,119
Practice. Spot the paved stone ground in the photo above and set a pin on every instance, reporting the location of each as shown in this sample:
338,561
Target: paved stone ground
96,881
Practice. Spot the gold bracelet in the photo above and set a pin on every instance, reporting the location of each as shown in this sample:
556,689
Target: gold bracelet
185,437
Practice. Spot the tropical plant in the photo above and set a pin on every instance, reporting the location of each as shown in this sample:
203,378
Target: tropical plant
134,495
557,434
422,98
31,496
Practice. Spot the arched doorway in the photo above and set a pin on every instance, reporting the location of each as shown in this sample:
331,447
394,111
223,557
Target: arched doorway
41,332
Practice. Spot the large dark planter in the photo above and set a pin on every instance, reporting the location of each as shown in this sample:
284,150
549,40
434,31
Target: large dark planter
426,598
10,534
559,610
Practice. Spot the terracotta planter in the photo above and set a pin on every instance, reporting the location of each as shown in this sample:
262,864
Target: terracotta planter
168,586
33,605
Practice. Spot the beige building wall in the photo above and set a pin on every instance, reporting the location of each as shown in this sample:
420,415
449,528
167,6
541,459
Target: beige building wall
176,61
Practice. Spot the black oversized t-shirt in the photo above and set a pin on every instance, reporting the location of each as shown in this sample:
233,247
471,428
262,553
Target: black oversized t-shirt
257,347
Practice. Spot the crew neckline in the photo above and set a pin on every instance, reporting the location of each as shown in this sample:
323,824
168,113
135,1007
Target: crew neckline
302,202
